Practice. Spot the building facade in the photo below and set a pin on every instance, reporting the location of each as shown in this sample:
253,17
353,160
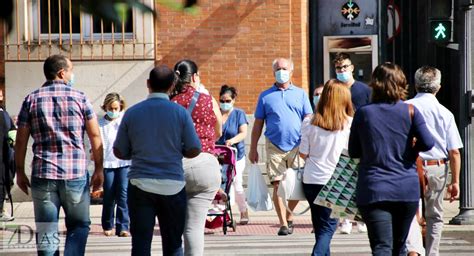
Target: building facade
233,42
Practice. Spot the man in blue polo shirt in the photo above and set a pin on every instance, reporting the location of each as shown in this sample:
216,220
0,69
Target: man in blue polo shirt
155,134
282,108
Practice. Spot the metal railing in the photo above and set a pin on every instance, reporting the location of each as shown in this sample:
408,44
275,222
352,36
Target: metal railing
45,27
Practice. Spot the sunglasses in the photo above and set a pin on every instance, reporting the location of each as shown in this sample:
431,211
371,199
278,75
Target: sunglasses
343,67
225,101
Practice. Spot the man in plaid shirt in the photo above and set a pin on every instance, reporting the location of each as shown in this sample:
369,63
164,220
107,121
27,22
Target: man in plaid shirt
56,116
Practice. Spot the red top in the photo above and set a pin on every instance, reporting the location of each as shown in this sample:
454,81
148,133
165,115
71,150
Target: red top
203,116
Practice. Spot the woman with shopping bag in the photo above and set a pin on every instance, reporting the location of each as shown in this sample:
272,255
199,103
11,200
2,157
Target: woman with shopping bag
323,138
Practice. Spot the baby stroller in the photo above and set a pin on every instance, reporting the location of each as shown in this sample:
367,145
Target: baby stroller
220,213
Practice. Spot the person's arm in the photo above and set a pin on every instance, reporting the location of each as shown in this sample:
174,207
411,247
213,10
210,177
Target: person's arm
256,133
93,132
305,135
308,110
217,112
354,146
239,137
192,153
22,136
455,166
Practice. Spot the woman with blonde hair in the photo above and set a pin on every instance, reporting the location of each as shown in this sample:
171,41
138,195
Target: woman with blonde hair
323,139
382,136
115,170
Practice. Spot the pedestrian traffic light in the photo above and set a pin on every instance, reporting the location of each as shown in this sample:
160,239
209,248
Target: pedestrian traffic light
441,21
441,30
441,9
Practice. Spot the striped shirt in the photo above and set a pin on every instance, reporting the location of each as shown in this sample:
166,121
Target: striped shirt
56,116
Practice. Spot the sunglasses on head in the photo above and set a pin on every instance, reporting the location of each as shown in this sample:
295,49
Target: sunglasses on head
225,101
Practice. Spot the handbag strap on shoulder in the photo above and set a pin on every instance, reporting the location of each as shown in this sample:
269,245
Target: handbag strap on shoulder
194,100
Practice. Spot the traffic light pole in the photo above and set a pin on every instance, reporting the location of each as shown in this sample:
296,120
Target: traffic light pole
466,207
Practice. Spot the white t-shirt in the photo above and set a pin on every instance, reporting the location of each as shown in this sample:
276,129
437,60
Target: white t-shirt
108,132
323,149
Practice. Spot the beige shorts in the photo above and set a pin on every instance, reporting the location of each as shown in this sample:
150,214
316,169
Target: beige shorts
278,161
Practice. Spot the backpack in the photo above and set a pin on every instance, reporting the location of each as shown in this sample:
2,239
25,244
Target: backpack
8,158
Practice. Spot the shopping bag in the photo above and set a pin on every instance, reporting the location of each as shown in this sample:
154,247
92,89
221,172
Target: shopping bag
339,193
258,197
291,187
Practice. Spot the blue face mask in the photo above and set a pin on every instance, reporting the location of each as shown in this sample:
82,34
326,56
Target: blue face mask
72,81
226,106
113,115
282,76
315,100
344,76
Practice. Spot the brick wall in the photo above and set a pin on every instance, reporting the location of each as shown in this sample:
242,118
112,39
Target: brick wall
235,42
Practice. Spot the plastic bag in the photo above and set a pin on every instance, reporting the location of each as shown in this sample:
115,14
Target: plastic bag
258,197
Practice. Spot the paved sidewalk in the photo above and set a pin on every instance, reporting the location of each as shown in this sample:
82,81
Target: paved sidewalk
261,222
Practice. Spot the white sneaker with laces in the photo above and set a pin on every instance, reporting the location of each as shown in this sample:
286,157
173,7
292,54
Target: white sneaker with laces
4,216
346,227
362,227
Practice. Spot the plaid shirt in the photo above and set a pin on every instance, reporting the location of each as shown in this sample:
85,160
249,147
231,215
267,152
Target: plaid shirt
56,115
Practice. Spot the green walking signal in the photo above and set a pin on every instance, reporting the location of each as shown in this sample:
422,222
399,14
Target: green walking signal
441,31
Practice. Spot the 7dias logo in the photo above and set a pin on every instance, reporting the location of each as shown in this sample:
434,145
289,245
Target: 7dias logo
19,237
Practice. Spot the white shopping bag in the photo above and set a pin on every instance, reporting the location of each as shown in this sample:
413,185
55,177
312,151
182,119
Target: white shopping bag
258,197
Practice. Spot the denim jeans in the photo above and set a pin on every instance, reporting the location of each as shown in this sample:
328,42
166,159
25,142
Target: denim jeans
48,196
171,212
324,226
388,224
115,193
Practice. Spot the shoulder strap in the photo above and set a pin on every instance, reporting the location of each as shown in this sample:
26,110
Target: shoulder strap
194,100
411,110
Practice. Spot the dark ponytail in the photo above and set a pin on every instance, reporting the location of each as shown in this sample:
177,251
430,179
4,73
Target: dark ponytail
184,69
228,89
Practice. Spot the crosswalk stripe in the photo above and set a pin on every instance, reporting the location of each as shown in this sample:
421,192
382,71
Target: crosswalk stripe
296,244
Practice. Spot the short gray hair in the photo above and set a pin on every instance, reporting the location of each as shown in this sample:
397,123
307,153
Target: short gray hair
427,79
289,61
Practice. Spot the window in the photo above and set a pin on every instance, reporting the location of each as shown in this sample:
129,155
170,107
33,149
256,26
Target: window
57,17
45,27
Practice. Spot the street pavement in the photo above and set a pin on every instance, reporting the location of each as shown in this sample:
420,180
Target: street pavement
257,238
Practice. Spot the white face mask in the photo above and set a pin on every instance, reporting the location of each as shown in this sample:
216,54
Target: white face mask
72,81
113,115
282,76
315,100
344,76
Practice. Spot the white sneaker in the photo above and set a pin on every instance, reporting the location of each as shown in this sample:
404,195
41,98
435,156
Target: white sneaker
362,227
346,227
6,217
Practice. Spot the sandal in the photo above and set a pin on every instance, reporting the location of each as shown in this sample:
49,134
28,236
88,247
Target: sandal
108,232
244,218
124,234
